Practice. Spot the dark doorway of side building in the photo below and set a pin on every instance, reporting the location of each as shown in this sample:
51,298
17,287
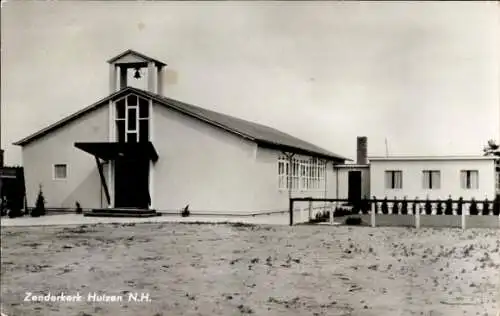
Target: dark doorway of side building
132,182
354,187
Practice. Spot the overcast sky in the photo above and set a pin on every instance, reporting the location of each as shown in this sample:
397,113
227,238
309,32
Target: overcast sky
426,76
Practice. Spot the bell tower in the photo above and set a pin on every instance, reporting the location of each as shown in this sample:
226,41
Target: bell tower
120,66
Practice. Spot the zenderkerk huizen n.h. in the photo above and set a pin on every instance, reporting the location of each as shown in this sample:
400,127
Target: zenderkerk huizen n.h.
90,297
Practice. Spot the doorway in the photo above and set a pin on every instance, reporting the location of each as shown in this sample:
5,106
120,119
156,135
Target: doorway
354,186
132,182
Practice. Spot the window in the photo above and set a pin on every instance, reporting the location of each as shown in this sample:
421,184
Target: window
393,179
301,175
60,172
132,119
469,179
432,179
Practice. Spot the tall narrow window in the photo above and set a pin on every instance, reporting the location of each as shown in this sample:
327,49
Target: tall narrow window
393,179
143,109
469,179
431,179
143,131
120,109
132,119
120,127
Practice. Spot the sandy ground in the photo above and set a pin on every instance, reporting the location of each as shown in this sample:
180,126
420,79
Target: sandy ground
190,269
75,219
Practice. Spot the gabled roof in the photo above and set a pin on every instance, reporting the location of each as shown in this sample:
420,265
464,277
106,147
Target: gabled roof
263,135
136,54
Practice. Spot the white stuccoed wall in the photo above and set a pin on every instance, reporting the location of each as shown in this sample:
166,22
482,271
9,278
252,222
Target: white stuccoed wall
450,177
83,183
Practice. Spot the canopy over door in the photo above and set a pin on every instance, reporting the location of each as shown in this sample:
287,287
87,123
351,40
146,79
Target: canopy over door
131,170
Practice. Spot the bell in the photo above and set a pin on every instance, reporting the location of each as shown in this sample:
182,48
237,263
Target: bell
137,74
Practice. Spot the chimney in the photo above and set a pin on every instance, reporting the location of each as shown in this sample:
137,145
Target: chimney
362,151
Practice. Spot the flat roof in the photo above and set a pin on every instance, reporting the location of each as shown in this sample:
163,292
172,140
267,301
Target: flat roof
416,158
352,166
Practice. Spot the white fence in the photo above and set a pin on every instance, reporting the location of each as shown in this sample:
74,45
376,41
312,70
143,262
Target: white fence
450,213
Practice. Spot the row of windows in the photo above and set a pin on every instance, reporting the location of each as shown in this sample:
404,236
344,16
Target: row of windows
310,175
431,179
301,175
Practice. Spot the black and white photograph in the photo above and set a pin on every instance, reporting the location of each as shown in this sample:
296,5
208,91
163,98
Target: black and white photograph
213,158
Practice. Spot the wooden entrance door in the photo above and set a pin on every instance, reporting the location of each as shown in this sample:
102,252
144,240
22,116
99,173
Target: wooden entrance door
132,182
354,193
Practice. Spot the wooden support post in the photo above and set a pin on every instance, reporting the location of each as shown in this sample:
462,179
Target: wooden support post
112,78
374,209
103,179
465,209
417,215
159,80
123,77
151,77
310,210
290,207
332,211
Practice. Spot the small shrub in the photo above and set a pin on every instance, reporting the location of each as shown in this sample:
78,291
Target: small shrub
320,217
185,212
460,205
428,207
473,208
3,206
340,212
376,204
385,207
15,212
79,209
354,221
365,206
404,206
486,207
414,206
448,210
496,205
395,206
439,208
39,209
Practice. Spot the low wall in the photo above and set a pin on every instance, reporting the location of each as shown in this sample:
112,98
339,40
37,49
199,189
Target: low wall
476,221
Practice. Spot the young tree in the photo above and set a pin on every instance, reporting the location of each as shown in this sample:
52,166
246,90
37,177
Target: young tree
79,209
493,149
40,204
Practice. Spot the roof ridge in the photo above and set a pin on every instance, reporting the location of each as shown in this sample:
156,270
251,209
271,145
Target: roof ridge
263,135
239,119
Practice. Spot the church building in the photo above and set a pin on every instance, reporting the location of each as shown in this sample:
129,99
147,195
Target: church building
139,149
